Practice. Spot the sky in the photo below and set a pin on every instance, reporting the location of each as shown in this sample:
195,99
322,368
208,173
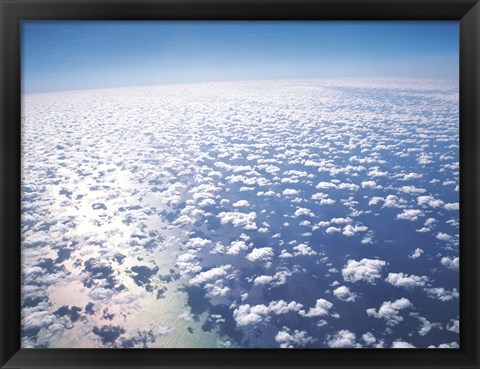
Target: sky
79,55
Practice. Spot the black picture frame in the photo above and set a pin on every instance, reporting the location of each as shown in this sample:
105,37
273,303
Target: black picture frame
467,12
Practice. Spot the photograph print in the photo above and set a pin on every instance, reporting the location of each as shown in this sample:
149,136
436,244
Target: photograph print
240,184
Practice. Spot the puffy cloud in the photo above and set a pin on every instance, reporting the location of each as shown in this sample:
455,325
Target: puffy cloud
450,263
350,230
452,206
443,236
364,270
241,204
246,221
321,308
390,311
303,249
331,230
454,326
340,220
277,279
209,275
402,344
405,280
446,345
236,247
303,212
260,254
288,339
375,200
290,192
371,184
342,339
441,293
416,254
343,293
430,201
412,189
247,315
369,338
410,214
325,185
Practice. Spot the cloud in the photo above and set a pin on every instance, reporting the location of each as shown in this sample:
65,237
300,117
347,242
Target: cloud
331,230
371,184
402,344
321,308
209,275
241,204
441,293
451,263
390,311
260,254
416,254
443,236
405,280
277,279
350,230
290,192
412,189
430,201
303,249
452,206
288,339
343,293
410,214
342,339
303,212
325,185
454,326
237,219
247,315
236,247
364,270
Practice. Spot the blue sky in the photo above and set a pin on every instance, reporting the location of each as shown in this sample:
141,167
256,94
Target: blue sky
76,55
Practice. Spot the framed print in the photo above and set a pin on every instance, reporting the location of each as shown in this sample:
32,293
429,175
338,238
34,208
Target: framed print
240,184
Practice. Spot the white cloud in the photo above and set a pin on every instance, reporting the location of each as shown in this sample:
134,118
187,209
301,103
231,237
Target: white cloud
246,314
290,192
246,221
350,230
410,214
364,270
390,311
209,275
452,206
343,293
241,203
236,247
443,236
441,293
451,263
412,189
260,254
303,211
303,249
321,308
430,201
331,230
405,280
416,254
288,339
342,339
402,344
325,185
371,184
